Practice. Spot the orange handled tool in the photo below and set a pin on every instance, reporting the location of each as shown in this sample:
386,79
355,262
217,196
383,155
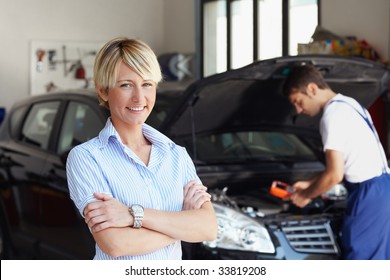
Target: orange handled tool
280,189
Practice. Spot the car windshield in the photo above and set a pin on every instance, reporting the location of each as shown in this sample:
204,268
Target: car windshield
251,145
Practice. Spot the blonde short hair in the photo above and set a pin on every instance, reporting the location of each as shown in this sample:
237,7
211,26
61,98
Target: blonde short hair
134,53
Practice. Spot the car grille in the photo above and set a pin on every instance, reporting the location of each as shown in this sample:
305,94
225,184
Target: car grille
310,236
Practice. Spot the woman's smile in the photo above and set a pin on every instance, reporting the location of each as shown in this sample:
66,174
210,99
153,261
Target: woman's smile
140,108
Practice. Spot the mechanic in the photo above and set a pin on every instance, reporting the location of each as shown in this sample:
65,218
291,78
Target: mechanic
354,153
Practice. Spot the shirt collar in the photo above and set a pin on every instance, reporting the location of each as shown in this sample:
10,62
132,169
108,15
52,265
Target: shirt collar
152,134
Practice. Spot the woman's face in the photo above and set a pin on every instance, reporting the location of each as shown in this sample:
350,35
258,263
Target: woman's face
131,99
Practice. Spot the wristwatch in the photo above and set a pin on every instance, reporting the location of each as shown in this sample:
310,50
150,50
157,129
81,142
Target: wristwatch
137,211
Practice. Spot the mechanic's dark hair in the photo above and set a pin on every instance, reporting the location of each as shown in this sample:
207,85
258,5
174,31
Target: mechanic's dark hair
300,76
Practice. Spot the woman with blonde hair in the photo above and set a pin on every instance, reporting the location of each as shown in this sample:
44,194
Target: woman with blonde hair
137,190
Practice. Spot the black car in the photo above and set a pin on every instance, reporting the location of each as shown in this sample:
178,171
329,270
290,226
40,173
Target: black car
245,137
242,135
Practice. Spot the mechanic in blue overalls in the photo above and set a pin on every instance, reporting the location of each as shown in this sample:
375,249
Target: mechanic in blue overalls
353,152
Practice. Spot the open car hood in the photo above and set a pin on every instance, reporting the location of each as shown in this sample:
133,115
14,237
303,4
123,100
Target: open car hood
250,97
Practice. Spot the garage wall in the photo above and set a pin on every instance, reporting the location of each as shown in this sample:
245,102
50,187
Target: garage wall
179,28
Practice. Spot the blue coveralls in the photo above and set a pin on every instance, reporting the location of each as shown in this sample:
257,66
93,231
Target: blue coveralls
366,226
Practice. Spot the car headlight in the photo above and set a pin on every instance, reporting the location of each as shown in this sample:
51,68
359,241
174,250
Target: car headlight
237,231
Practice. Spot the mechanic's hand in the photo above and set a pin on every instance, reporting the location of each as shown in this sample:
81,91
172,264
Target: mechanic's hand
194,196
301,185
299,199
107,212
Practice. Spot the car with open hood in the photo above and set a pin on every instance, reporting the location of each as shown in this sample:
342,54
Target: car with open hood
242,135
247,141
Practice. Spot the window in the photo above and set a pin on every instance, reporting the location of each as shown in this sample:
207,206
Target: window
39,123
241,33
81,124
234,33
215,37
270,26
300,31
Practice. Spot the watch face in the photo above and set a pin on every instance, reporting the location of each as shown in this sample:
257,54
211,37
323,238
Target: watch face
137,208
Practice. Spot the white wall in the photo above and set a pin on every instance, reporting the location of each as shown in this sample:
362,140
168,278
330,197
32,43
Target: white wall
179,28
369,20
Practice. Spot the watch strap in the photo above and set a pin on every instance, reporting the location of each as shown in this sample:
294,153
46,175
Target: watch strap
137,221
137,211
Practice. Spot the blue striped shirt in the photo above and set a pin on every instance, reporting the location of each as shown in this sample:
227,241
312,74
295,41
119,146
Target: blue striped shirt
105,165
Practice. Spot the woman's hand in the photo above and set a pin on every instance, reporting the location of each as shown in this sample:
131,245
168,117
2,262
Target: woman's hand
194,196
107,212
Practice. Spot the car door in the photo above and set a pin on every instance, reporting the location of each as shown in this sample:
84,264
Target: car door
65,234
23,159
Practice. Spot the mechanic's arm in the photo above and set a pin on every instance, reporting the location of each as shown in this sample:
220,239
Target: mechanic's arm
333,174
304,184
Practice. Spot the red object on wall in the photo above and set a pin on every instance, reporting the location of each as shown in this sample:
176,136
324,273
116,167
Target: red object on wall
80,72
